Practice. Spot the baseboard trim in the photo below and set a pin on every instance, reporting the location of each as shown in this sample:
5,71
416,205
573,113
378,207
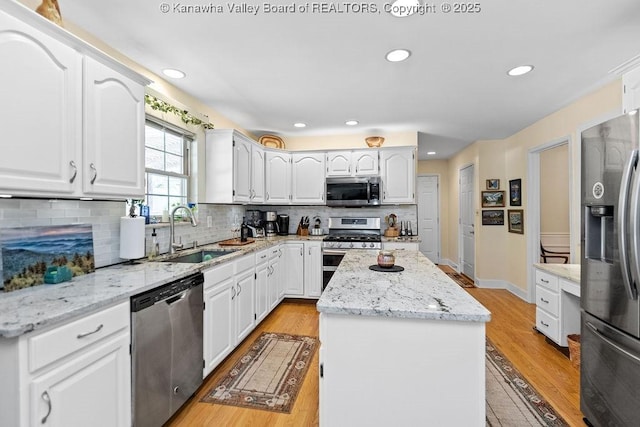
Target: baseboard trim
502,284
449,263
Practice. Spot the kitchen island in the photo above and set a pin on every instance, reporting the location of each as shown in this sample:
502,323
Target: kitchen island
405,348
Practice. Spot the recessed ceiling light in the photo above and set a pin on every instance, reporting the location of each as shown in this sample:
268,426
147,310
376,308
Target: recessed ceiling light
6,196
431,153
398,55
173,73
300,125
520,70
351,122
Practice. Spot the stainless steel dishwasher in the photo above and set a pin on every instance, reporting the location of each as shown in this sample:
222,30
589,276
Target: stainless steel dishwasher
166,349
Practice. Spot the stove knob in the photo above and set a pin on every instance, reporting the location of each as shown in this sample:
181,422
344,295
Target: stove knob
364,244
351,244
372,244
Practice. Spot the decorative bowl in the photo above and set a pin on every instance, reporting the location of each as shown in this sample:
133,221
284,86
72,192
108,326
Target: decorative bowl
386,259
374,141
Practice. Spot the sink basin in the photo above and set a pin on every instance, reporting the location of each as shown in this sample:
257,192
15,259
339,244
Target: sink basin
201,256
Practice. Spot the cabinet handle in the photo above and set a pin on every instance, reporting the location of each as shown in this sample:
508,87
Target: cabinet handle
544,300
301,254
544,281
239,289
268,195
75,171
544,324
47,399
95,172
90,333
279,253
234,293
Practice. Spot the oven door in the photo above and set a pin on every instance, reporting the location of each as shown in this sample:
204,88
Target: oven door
330,261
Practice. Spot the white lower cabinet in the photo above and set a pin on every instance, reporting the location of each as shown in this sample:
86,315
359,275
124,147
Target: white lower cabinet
75,374
229,314
262,284
219,314
313,269
294,273
557,307
274,279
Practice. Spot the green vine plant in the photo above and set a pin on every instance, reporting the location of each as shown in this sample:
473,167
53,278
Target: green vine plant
159,105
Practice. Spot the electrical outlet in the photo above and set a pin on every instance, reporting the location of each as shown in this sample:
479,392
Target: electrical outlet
209,222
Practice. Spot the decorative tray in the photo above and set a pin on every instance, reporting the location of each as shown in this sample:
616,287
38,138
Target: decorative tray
235,242
271,141
394,269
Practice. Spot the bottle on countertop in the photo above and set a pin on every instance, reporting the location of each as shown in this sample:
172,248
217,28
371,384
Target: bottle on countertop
155,246
403,231
409,231
244,230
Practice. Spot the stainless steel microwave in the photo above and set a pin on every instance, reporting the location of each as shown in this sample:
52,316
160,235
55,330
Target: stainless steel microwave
354,192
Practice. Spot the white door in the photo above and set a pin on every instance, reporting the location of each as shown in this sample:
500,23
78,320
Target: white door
467,232
307,183
245,302
242,161
278,177
219,323
428,217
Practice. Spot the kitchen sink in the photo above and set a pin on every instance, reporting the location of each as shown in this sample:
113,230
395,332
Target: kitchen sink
202,256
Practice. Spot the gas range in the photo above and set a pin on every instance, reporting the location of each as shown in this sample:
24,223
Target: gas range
353,233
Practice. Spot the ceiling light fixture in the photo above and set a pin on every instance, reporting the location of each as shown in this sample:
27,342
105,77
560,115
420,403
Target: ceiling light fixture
300,125
431,153
351,122
398,55
173,73
520,70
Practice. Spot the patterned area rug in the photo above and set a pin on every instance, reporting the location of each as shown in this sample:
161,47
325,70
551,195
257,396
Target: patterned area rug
511,400
269,375
460,279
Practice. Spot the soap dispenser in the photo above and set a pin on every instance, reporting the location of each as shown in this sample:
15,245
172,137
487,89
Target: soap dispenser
155,246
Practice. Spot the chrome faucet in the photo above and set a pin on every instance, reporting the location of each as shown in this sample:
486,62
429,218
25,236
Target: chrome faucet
172,236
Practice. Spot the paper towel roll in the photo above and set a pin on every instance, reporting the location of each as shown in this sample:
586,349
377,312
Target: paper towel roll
132,237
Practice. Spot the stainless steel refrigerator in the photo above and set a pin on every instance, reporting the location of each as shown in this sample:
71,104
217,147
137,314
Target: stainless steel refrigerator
610,274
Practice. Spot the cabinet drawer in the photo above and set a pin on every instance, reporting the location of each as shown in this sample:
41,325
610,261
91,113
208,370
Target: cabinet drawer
262,256
245,263
217,274
547,280
47,347
547,300
547,324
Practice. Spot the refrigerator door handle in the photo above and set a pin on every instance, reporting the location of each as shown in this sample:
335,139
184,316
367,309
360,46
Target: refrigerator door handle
611,343
634,229
623,221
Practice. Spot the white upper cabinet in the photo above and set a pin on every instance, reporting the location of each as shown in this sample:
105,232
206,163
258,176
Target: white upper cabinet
398,172
278,177
308,184
352,163
40,112
67,131
113,132
257,174
234,168
631,90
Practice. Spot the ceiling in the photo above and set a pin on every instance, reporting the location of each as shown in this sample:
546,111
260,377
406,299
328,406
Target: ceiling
269,70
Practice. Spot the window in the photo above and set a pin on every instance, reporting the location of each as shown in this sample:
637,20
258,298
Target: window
166,166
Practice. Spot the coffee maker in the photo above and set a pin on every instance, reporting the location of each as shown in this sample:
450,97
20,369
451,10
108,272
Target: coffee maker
270,223
254,222
283,225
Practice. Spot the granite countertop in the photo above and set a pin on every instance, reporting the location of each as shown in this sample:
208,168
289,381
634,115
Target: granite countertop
421,291
407,239
33,308
566,271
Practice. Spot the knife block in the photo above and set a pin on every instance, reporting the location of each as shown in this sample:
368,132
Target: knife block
391,232
302,231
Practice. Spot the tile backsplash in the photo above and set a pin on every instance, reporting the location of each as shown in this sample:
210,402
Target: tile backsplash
105,218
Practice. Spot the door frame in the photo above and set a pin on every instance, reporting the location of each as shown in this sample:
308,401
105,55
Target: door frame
533,208
460,236
439,240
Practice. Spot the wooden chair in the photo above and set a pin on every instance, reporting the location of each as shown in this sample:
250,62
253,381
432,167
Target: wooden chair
544,254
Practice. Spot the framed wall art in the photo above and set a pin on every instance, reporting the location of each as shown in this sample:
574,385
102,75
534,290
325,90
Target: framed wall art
492,199
515,192
493,184
493,217
516,220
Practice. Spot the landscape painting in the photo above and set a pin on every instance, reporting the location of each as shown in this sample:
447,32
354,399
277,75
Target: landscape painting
28,251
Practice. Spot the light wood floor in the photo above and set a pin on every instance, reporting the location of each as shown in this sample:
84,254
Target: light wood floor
510,329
